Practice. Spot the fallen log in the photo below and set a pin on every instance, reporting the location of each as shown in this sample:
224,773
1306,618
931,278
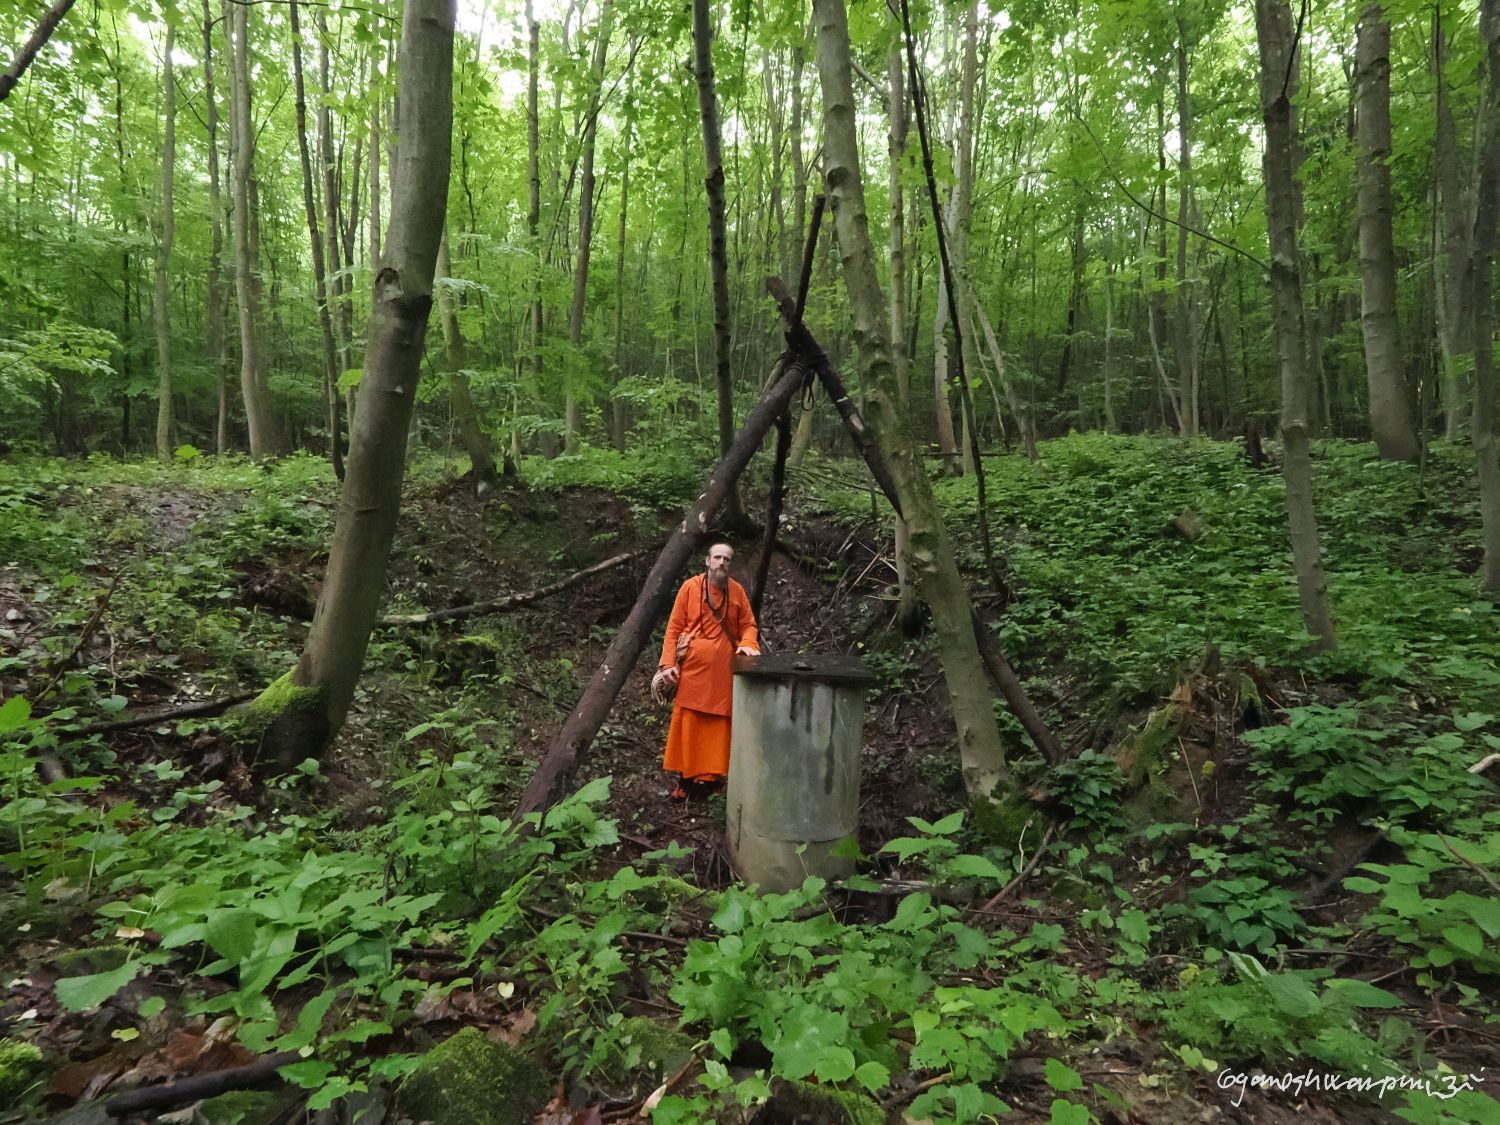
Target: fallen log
151,1098
191,710
510,601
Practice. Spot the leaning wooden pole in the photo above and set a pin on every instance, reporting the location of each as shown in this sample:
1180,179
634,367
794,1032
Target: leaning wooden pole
994,660
556,770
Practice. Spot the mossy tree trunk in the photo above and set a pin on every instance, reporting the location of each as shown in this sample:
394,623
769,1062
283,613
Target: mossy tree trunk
980,750
1486,219
299,716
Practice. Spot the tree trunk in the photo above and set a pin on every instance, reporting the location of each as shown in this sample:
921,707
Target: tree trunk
1486,218
300,715
619,407
1273,25
1452,265
534,190
320,273
465,416
1390,410
713,160
980,750
165,228
586,215
1186,324
260,414
340,287
908,607
218,337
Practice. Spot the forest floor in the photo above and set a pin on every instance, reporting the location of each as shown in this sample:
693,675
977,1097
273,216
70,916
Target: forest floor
1198,906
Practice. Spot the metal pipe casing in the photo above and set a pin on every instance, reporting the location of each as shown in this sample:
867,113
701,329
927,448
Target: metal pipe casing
793,795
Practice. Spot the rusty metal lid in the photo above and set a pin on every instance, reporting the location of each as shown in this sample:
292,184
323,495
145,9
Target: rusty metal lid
806,667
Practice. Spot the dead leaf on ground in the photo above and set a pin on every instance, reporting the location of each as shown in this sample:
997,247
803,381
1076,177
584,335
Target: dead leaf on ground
78,1081
516,1028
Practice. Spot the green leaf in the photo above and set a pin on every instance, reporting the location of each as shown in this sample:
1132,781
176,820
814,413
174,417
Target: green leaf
1292,994
976,866
1465,938
15,712
835,1064
1068,1113
949,824
151,1006
79,994
1062,1077
1134,926
872,1076
231,933
730,918
309,1073
1363,994
350,379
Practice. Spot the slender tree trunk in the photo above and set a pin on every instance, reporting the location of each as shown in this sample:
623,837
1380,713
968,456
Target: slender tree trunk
980,750
586,214
534,191
908,606
1273,24
1186,323
302,713
465,416
260,414
320,272
339,289
713,159
218,337
1390,411
166,227
1486,218
619,407
1452,264
942,406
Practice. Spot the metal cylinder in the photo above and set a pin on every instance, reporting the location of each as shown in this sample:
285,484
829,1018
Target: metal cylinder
793,795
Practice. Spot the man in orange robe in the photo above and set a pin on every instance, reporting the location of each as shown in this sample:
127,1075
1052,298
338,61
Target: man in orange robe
711,622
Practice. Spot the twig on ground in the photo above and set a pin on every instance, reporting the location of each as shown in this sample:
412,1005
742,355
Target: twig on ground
1483,874
511,601
1023,873
89,629
188,711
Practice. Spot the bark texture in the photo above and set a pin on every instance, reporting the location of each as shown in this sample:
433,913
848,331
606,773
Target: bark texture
1486,219
1278,71
1390,411
300,718
980,750
165,228
260,415
460,397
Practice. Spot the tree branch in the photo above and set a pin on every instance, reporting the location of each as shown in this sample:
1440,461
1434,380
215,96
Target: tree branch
1146,207
29,49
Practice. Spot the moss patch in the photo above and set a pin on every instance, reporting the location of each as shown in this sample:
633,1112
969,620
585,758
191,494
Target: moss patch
1001,822
644,1042
20,1065
471,1080
283,725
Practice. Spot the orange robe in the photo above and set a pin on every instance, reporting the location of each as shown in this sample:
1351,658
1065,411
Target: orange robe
718,623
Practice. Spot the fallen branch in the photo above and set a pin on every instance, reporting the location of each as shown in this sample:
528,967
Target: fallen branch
199,1086
89,629
207,707
511,601
1483,874
1023,873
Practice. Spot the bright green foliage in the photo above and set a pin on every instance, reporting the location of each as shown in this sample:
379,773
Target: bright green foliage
20,1063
